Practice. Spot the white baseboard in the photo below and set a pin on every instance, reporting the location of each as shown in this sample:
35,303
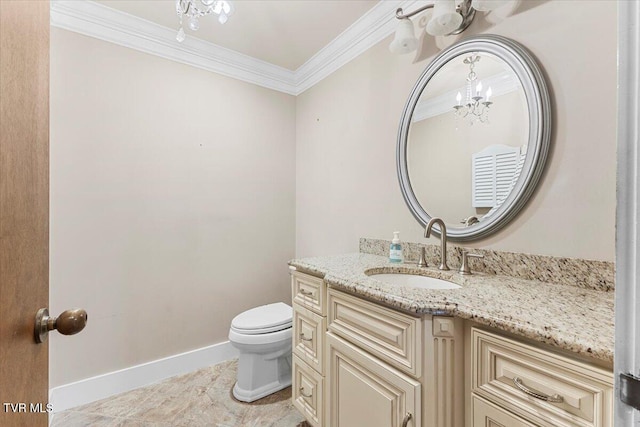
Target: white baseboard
105,385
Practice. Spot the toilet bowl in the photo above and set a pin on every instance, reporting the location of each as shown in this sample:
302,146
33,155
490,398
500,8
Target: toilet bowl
262,336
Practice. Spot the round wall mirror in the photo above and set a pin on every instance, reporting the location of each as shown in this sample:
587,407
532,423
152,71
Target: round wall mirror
474,137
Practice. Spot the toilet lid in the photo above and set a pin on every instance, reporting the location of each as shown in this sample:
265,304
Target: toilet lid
263,319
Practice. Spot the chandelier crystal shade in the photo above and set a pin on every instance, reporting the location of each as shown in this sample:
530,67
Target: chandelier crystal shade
193,10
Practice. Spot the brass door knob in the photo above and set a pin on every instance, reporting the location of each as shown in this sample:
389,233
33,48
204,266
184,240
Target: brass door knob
69,322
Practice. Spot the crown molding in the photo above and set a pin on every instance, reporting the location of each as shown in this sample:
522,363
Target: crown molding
373,27
104,23
111,25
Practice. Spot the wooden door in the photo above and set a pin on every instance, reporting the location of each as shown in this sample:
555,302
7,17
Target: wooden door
364,391
24,209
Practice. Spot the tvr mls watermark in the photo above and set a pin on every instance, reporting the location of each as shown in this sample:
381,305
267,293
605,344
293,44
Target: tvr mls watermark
24,407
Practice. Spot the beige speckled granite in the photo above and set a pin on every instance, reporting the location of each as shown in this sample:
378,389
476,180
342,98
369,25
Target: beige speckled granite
598,275
569,317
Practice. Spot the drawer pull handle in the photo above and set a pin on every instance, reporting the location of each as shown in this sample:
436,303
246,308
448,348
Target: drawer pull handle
406,419
302,393
556,398
304,338
306,293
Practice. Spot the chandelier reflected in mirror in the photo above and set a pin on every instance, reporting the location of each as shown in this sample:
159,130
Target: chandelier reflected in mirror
193,10
476,107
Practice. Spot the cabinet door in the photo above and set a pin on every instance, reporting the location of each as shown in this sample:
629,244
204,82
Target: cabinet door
364,391
486,414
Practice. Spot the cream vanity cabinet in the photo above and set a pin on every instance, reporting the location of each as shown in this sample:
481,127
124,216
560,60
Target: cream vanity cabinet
358,363
517,384
308,337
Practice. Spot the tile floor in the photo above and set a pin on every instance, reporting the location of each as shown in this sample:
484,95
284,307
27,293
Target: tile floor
201,398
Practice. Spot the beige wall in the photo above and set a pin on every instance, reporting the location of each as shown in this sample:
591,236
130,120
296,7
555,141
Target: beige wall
172,203
346,183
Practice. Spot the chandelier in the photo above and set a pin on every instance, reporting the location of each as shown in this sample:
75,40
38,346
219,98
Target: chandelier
192,10
476,107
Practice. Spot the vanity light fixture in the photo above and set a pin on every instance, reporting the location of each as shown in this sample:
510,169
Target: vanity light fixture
476,107
192,10
449,17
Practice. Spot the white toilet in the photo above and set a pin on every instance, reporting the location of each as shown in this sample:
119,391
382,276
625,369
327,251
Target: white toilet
262,335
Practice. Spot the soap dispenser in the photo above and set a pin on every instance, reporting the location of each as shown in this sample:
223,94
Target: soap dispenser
395,250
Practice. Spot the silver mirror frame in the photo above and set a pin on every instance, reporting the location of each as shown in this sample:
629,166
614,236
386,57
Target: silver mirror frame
539,105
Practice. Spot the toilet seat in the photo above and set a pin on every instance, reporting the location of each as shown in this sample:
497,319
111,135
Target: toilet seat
260,339
263,320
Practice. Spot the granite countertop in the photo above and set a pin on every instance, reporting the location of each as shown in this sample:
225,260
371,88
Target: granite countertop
572,318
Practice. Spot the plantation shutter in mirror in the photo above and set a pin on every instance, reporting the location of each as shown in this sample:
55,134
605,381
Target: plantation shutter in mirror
492,172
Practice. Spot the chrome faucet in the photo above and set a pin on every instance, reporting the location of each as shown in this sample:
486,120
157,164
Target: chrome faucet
443,240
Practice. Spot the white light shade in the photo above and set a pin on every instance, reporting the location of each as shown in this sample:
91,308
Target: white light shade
488,5
445,19
405,40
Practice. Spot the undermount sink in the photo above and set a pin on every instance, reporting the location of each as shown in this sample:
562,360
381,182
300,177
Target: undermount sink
414,281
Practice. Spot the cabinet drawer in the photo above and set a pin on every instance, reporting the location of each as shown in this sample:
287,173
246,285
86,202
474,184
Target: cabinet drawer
586,391
309,292
308,337
307,392
394,337
485,414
